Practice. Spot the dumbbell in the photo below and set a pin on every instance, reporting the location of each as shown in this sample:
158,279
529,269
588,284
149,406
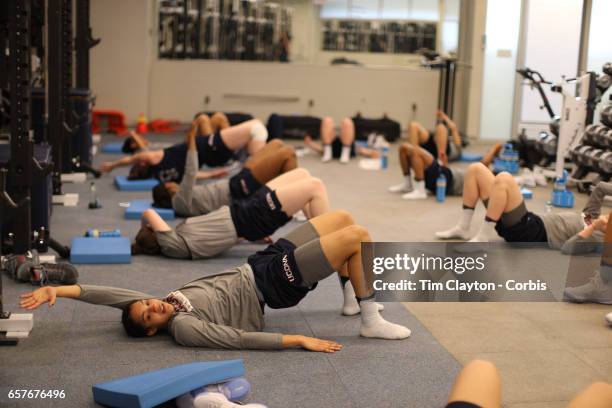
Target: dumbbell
607,68
591,133
605,162
606,115
592,158
606,137
603,82
579,154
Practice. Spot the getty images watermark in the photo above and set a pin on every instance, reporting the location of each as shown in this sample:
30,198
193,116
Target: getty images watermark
473,272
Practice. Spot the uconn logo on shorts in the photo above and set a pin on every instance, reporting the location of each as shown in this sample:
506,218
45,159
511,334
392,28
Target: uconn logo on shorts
270,201
169,175
245,188
287,269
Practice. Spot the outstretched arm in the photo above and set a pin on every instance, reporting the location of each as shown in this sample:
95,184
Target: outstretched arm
107,167
452,127
98,295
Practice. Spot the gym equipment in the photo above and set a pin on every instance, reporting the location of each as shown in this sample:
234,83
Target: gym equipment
108,121
470,157
389,128
96,233
111,250
156,387
113,148
137,207
293,127
448,72
606,115
123,184
507,161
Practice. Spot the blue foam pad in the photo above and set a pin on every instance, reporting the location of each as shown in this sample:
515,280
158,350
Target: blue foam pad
470,157
137,207
108,250
124,184
113,148
527,194
156,387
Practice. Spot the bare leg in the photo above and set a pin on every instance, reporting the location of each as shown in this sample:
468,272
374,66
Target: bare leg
491,154
404,151
478,383
347,137
295,196
328,134
219,121
441,140
274,159
417,134
203,125
418,159
288,178
243,135
477,185
505,196
316,146
597,395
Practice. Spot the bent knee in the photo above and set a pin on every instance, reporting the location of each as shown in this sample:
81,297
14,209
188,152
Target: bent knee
477,167
504,178
316,184
276,143
357,233
344,217
327,121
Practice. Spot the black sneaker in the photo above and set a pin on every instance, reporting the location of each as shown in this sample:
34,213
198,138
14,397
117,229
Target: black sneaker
60,273
20,266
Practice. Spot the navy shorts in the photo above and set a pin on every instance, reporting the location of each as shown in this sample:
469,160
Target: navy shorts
277,275
529,229
258,216
433,172
431,147
337,148
243,185
461,404
212,151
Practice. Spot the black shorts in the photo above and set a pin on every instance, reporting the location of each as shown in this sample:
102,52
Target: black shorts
212,151
461,404
243,185
431,147
337,149
529,229
259,215
433,172
277,275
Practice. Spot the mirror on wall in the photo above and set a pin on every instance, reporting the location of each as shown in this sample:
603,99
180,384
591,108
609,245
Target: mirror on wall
381,32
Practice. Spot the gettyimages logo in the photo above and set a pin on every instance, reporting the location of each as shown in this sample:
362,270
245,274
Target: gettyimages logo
414,264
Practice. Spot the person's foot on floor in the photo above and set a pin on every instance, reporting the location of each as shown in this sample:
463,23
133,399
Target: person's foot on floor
63,273
609,318
454,233
415,195
404,187
345,156
594,291
327,154
19,266
350,306
374,326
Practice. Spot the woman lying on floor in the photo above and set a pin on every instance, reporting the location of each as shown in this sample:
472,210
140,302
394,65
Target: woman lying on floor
189,199
213,150
342,147
427,169
226,310
135,142
507,216
478,385
253,218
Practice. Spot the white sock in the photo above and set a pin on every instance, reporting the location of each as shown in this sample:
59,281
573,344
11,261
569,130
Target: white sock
404,187
462,229
259,132
418,192
486,233
327,153
373,325
345,156
350,306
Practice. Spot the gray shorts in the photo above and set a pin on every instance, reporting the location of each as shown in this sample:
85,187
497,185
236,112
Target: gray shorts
309,256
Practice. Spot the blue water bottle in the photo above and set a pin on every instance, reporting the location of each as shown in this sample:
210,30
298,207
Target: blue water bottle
441,188
96,233
384,158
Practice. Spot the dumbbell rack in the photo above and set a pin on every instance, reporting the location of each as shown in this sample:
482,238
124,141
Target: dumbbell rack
594,155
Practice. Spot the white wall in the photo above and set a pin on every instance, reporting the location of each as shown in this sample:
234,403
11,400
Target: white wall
120,63
178,89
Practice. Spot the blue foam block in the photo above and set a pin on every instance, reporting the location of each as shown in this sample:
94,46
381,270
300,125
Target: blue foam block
113,148
527,194
156,387
470,157
108,250
137,207
124,184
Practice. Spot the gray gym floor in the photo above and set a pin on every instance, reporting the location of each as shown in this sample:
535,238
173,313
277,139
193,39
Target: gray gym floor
546,352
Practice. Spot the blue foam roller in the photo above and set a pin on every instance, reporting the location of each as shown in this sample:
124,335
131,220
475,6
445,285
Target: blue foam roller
137,207
107,250
124,184
156,387
470,157
113,148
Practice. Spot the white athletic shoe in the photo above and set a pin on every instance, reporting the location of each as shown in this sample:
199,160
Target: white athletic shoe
594,291
415,195
454,233
345,159
400,188
539,177
609,318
